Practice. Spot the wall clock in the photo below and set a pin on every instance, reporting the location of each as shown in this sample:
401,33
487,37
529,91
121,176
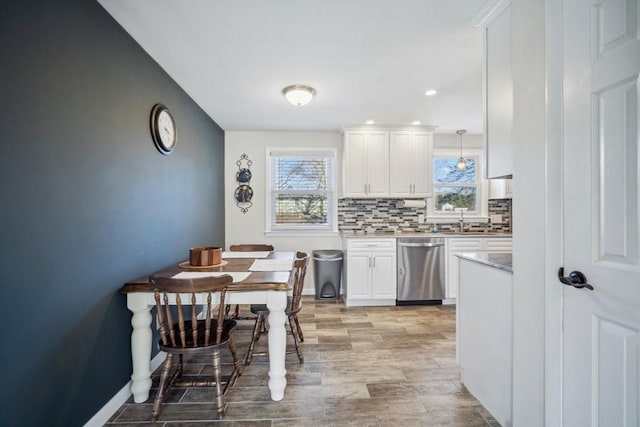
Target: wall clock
163,129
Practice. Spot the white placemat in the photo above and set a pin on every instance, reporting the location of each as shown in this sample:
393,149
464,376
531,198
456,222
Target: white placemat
237,277
278,264
233,254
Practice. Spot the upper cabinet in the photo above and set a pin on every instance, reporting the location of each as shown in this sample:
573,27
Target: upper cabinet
410,163
500,189
366,163
498,86
387,162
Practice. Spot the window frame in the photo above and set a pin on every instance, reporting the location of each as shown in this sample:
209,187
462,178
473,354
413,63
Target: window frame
332,197
481,185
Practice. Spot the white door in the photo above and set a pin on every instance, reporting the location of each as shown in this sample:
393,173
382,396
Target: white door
601,237
354,170
422,164
400,161
377,163
383,277
359,275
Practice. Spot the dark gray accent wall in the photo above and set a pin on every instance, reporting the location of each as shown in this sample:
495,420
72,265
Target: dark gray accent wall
87,202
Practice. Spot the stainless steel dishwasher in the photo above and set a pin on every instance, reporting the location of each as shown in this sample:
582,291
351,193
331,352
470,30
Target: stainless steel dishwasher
421,270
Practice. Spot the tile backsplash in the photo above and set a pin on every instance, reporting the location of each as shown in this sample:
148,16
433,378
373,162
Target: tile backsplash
383,215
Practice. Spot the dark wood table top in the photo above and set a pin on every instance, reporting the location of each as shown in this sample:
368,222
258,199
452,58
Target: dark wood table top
257,280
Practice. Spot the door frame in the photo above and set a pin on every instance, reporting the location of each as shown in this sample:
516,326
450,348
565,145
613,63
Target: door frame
554,225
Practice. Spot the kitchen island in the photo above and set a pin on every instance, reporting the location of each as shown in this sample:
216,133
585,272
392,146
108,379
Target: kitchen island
484,329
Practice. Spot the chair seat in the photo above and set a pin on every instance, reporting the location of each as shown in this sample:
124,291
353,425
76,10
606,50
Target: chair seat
262,308
200,346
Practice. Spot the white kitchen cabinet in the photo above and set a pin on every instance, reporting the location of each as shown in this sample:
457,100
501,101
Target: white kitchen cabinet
500,188
410,163
366,163
483,329
455,245
371,272
498,95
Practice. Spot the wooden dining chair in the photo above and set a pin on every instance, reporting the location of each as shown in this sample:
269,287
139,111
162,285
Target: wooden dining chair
181,332
247,247
294,305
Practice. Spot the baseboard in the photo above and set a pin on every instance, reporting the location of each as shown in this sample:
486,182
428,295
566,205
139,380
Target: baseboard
103,415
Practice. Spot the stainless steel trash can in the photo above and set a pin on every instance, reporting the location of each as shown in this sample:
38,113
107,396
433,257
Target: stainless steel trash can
327,273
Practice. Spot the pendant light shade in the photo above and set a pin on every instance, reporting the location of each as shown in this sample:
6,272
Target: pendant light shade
299,95
462,164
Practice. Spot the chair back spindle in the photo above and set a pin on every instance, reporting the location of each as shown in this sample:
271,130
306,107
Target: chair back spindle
300,264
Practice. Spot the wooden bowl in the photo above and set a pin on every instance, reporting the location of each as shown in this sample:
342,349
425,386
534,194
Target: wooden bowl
205,255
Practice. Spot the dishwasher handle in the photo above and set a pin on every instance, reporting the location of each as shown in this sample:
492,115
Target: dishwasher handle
420,245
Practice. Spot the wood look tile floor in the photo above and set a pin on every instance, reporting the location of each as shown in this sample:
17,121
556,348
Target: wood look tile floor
364,366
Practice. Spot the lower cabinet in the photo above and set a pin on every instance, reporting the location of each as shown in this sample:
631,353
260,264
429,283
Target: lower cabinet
469,244
371,272
483,331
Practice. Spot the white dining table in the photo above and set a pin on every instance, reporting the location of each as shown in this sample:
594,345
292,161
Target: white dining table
259,287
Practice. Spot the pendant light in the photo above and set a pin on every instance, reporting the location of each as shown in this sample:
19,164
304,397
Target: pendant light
462,164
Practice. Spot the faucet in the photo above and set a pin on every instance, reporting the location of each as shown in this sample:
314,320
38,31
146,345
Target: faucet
461,220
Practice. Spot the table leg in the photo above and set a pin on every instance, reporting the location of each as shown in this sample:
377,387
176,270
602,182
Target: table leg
140,346
276,303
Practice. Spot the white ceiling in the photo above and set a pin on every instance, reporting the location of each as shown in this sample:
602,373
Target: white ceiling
367,59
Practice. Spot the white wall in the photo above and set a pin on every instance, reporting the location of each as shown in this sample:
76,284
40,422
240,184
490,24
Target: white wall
528,67
250,227
452,141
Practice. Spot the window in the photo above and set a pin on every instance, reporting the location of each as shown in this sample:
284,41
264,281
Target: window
301,190
453,188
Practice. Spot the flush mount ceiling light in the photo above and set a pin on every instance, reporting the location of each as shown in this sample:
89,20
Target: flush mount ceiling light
431,92
299,95
461,165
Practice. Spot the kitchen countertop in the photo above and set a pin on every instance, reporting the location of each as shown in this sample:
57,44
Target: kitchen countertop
351,234
498,260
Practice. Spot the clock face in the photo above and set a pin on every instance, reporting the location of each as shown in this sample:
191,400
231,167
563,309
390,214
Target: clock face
166,128
163,129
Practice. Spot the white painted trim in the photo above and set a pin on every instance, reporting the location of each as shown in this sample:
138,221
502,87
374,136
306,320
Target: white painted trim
387,128
298,151
489,12
553,388
120,398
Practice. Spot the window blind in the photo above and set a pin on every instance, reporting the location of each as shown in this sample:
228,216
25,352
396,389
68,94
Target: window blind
302,190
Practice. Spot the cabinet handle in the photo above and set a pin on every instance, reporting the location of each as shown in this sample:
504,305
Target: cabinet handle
374,262
369,259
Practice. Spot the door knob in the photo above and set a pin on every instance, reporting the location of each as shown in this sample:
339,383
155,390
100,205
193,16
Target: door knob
575,279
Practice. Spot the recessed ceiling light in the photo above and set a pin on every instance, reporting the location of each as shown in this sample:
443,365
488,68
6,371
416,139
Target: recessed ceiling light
415,122
369,122
431,92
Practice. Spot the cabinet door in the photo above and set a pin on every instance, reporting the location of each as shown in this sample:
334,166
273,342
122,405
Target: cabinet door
401,164
383,277
498,96
422,165
377,163
358,275
354,170
452,275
